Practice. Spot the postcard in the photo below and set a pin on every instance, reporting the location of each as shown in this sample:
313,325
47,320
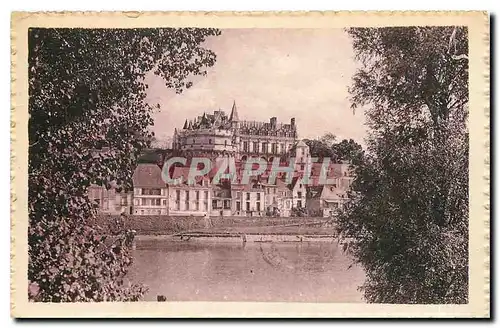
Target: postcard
246,164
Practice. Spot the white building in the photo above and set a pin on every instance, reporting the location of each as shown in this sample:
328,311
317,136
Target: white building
188,199
150,191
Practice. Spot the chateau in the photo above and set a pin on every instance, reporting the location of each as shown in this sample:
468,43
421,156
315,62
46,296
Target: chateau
217,135
221,134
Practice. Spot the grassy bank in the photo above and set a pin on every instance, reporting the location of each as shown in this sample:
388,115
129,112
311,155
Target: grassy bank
165,225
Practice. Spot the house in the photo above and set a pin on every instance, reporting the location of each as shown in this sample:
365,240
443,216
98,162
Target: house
303,160
332,199
237,200
150,191
278,198
325,200
221,201
189,199
313,200
111,201
298,193
344,174
249,199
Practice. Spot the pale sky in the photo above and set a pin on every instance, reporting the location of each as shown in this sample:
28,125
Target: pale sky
301,73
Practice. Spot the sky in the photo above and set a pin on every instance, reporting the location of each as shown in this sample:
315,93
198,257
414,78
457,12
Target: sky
301,73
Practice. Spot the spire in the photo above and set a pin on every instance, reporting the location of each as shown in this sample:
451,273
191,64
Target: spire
234,113
190,125
175,131
204,120
185,125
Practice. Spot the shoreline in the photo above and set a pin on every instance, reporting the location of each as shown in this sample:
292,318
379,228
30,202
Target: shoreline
239,237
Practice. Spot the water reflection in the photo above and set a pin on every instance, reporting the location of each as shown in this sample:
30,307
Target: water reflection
191,271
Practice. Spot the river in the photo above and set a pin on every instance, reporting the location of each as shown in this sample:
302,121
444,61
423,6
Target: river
195,271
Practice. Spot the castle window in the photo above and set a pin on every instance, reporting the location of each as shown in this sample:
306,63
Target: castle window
210,141
225,142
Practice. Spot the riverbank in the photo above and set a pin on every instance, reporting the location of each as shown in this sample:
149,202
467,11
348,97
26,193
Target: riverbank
238,238
165,225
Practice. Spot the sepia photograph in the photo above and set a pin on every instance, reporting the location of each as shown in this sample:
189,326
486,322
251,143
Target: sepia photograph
271,164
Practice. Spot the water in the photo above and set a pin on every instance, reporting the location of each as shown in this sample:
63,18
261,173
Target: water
195,271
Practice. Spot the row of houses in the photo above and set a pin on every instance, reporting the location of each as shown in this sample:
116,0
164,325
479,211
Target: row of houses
152,196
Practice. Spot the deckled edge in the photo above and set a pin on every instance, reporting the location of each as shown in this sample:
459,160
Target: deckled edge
13,69
487,168
135,14
21,15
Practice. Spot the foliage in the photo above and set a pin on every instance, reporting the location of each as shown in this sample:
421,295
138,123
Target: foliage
326,147
318,148
88,123
348,150
408,213
328,139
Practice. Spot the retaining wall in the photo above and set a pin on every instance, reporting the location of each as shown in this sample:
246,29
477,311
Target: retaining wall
166,225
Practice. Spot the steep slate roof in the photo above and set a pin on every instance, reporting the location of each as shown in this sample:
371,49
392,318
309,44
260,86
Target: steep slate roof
295,180
301,143
234,113
148,175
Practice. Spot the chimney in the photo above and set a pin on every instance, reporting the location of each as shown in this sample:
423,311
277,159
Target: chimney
292,121
273,121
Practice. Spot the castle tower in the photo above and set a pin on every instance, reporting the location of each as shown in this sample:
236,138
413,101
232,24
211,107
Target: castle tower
234,114
303,160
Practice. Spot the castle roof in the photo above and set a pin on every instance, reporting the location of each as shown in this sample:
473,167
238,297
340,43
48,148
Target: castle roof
234,113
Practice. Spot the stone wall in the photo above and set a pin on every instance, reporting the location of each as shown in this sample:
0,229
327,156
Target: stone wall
166,225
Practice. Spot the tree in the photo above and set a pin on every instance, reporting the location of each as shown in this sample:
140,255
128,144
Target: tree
319,148
88,123
348,150
326,147
328,139
408,214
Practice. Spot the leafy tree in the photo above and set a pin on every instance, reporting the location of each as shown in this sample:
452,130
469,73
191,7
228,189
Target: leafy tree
326,147
348,150
328,139
318,148
408,213
88,124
